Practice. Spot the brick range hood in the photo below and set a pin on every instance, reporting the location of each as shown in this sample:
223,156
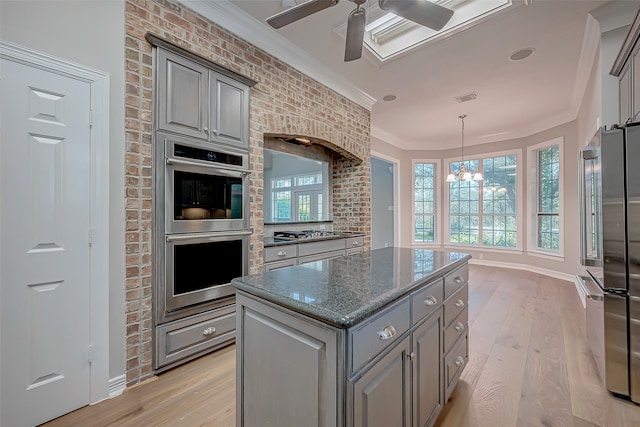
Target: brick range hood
284,102
307,141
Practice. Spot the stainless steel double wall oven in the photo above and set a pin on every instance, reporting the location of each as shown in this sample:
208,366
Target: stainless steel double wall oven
202,224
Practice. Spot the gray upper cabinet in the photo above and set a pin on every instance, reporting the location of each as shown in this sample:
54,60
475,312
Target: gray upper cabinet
182,95
195,101
626,68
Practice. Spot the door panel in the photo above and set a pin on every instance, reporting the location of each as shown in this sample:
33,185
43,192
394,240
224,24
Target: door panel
44,297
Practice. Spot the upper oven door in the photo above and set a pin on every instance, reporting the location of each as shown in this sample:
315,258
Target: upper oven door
204,195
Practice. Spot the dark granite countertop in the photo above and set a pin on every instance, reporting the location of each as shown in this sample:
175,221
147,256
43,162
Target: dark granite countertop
346,290
269,241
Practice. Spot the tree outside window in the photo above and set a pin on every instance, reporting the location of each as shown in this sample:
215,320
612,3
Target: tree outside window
424,202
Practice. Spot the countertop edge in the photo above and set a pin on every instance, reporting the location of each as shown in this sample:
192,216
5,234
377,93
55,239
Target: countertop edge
355,317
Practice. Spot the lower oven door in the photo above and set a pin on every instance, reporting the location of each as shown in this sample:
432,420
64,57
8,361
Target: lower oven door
199,268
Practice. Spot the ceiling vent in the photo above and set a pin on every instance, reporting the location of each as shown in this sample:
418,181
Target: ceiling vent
468,97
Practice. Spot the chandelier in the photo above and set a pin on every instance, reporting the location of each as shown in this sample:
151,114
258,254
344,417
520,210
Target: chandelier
464,173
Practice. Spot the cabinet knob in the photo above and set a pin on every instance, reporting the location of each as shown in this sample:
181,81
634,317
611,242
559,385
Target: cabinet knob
209,331
459,326
386,332
411,355
431,300
459,303
206,129
459,361
215,132
282,253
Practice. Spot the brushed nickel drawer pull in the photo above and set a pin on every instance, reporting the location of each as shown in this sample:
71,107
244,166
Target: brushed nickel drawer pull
459,326
386,332
282,253
458,280
459,361
209,331
355,243
459,303
431,300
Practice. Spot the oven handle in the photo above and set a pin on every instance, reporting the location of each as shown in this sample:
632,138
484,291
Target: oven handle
182,237
172,161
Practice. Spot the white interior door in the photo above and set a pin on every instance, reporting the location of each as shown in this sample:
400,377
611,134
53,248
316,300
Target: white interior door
45,252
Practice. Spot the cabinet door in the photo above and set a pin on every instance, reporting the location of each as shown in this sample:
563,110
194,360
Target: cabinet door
625,94
381,395
635,84
229,116
428,385
182,95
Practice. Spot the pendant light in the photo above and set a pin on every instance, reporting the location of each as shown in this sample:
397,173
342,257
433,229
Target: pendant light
464,173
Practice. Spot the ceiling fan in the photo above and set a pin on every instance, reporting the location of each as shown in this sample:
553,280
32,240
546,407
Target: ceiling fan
422,12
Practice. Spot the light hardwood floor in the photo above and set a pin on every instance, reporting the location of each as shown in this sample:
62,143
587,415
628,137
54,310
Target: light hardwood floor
529,365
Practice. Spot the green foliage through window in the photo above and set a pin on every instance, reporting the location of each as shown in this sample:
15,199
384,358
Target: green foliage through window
424,204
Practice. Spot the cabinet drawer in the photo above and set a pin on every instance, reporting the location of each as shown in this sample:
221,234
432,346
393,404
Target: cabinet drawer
353,242
454,364
321,256
455,304
183,338
269,266
456,329
454,280
313,248
277,253
426,301
370,338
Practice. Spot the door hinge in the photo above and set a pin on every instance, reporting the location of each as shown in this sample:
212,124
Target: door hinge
90,354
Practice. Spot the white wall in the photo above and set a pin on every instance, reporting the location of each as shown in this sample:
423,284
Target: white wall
90,33
382,226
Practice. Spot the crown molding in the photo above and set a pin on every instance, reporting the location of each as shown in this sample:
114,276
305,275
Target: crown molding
235,20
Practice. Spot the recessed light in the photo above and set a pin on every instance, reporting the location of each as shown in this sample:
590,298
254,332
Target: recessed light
389,98
521,54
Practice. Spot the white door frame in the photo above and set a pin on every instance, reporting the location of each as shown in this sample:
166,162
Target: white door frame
98,203
396,194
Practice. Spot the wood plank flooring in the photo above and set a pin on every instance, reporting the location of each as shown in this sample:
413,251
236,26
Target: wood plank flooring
529,365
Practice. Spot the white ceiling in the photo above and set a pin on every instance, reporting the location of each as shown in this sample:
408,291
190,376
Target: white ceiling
515,99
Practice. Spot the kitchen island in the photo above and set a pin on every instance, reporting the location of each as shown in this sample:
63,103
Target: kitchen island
372,339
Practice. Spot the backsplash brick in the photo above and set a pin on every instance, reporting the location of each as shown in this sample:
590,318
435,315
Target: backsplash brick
284,101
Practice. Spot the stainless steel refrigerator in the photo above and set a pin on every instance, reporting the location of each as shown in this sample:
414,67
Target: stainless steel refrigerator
610,217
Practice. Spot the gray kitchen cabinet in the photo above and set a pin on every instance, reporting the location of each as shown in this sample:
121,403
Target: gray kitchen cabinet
626,68
197,101
302,351
381,395
428,371
280,256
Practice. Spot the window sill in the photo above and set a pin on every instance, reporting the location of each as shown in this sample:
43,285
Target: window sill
547,255
511,251
426,245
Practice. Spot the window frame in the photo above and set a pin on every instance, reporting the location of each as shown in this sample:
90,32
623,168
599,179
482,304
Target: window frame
520,196
294,191
532,205
437,197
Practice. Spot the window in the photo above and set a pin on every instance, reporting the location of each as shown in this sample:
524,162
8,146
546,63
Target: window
546,176
485,213
424,202
301,201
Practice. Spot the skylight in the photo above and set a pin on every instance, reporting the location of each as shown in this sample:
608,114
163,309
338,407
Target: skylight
388,36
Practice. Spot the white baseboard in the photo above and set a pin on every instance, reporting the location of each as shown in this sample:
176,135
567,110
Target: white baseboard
117,385
543,271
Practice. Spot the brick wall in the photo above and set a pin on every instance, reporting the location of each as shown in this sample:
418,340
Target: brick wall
284,101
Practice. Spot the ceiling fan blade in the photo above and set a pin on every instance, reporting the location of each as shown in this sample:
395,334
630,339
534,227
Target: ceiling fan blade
300,11
422,12
355,34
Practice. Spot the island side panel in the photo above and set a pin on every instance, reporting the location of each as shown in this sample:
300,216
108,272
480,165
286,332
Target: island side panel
288,368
